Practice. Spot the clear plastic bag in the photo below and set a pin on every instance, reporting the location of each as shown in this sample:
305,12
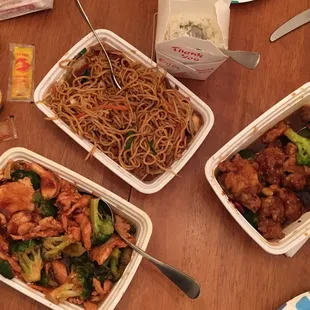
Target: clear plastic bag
14,8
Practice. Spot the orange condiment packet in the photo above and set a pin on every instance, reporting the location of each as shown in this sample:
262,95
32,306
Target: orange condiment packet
21,81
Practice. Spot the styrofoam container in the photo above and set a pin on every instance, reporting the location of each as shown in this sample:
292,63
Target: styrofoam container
118,43
296,233
120,206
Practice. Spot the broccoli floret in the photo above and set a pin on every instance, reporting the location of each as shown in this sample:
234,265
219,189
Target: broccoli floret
17,247
115,256
102,226
78,284
32,264
34,178
74,250
303,147
53,246
46,207
6,269
46,280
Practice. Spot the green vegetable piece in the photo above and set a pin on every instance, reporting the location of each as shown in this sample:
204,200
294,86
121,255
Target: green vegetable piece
152,148
303,147
247,154
74,250
129,141
81,53
32,264
18,247
46,207
115,256
34,178
46,280
102,226
6,269
251,217
53,247
86,73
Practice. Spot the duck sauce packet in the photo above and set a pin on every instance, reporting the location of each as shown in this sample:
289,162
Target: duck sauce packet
8,129
21,84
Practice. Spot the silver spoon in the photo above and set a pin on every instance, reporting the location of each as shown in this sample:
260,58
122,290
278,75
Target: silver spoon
249,60
79,5
185,283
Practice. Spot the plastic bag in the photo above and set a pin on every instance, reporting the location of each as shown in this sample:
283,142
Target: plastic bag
14,8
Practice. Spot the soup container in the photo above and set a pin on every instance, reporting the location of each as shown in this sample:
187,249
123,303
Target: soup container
297,233
120,206
146,187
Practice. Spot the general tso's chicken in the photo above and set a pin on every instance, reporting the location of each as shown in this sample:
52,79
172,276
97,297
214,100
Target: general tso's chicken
16,196
295,177
102,252
272,206
271,161
270,229
82,203
60,271
241,179
123,228
50,182
273,134
86,229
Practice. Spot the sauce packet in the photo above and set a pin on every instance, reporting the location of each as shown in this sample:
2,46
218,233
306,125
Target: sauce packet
21,83
8,129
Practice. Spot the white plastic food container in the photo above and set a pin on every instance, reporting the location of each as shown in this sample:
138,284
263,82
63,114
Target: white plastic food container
120,206
112,39
297,233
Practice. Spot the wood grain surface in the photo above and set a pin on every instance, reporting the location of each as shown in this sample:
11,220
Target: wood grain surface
192,230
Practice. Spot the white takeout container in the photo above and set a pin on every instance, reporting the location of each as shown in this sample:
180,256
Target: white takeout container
297,233
195,58
112,39
122,207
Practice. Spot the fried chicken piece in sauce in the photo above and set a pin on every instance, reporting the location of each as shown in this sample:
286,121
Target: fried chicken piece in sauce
59,271
123,228
272,206
241,179
16,196
271,161
86,230
270,229
274,133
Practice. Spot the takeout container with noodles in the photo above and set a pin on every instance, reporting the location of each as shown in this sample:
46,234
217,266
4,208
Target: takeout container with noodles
183,55
120,206
147,187
297,233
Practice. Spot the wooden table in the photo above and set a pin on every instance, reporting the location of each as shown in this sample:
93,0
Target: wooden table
192,230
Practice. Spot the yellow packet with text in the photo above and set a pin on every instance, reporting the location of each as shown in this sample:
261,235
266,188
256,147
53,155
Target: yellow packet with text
22,73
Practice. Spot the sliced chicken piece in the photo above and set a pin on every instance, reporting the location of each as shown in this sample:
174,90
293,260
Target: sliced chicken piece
3,220
102,252
17,220
12,262
25,228
59,271
102,290
75,232
16,196
48,223
66,199
123,228
39,234
50,183
81,204
86,230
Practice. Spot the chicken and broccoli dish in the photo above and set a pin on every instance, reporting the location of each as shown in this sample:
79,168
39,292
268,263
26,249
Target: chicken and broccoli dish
60,241
269,182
